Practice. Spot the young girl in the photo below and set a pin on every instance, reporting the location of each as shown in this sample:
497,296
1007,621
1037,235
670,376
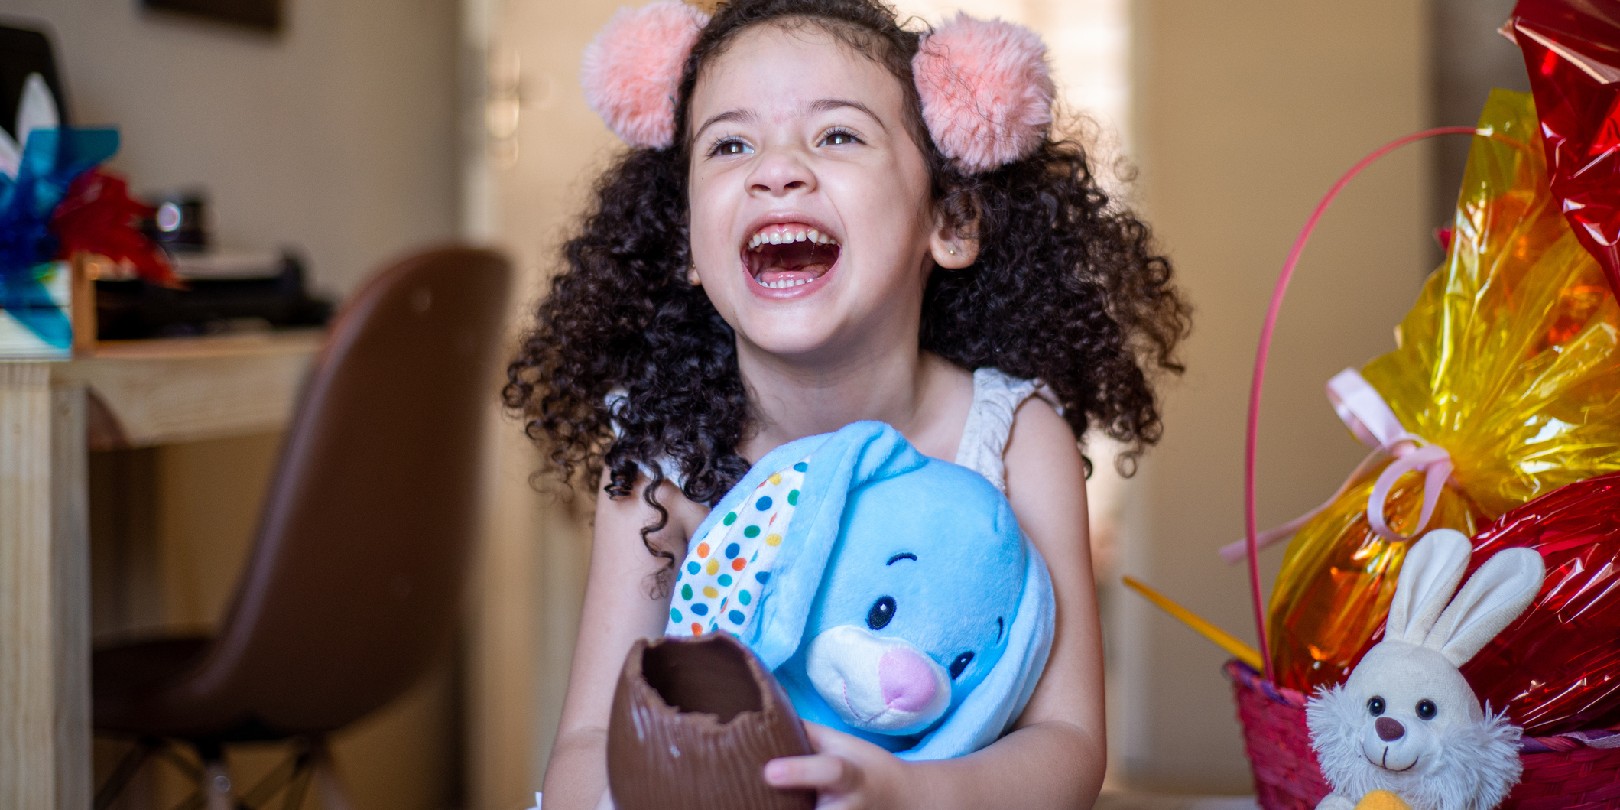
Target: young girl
814,237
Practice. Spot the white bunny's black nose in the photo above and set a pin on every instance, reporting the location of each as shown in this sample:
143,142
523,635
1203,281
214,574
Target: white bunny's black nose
1389,729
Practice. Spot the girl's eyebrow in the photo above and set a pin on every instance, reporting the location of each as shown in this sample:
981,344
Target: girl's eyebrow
826,104
745,116
818,106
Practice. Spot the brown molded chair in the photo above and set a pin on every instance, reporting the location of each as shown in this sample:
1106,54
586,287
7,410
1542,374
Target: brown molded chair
354,583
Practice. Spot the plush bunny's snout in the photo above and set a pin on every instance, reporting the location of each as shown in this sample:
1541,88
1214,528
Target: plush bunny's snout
877,682
1399,747
907,680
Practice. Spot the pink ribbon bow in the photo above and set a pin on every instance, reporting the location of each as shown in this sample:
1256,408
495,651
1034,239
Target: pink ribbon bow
1369,418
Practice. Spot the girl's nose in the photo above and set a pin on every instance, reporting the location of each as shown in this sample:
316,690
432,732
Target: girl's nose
780,172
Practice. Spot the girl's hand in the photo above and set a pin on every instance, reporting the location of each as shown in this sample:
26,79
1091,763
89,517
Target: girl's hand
847,773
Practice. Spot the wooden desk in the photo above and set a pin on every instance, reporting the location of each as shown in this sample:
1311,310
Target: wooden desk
125,394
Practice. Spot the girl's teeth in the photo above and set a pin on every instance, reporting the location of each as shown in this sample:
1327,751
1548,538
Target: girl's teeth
784,283
782,238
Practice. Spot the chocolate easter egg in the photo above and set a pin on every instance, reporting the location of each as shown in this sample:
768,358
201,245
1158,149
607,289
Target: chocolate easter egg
694,721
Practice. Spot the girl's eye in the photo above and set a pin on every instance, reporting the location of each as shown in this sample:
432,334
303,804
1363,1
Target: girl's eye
728,146
839,137
960,664
881,614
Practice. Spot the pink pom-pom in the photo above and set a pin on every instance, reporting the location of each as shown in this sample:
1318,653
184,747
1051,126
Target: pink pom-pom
985,90
631,69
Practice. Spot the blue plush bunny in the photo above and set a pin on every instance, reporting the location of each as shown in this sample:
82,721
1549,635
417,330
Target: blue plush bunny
892,594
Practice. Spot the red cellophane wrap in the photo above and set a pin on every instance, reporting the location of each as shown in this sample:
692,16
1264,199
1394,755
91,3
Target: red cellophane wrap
1557,669
1572,51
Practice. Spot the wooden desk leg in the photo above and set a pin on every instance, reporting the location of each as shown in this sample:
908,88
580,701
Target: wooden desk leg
44,594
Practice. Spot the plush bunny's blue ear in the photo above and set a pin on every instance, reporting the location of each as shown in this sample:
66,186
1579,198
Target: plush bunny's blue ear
990,709
802,526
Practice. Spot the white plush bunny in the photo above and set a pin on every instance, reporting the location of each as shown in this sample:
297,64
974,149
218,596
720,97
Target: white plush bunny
1405,721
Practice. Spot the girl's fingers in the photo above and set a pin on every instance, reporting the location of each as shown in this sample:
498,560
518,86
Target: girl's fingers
820,736
823,773
824,740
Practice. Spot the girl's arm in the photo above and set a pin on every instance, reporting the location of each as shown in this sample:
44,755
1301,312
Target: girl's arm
1055,756
619,608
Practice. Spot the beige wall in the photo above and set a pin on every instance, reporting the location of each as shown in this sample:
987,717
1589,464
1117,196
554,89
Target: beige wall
337,137
1246,113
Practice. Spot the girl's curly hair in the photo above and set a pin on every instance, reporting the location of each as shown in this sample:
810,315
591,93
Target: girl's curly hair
629,368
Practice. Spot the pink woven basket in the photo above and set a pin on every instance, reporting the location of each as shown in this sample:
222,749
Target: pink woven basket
1576,771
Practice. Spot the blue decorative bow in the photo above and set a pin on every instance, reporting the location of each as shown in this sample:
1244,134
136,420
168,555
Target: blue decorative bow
51,160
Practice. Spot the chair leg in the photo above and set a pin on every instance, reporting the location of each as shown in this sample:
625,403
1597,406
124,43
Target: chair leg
123,772
327,784
294,798
290,778
217,786
214,791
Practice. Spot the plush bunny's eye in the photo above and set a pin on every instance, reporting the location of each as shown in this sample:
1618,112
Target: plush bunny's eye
1375,706
1426,709
881,614
960,664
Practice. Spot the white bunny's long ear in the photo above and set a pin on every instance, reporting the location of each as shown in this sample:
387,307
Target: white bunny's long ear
1429,576
1489,601
36,109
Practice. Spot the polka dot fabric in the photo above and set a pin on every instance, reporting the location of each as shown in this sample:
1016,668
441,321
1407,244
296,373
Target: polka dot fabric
725,571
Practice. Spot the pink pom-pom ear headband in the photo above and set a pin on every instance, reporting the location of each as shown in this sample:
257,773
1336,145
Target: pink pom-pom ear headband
632,68
985,90
984,86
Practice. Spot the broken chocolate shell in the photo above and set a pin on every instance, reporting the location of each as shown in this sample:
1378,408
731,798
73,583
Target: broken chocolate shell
694,721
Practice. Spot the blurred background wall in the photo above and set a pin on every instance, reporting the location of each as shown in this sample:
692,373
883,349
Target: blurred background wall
368,127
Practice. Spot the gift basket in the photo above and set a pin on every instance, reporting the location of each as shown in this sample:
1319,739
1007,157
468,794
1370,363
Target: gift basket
1547,676
1497,416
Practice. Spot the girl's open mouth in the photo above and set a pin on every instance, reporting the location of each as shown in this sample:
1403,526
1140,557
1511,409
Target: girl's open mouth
784,256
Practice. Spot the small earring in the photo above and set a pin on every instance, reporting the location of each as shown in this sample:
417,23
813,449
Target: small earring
951,251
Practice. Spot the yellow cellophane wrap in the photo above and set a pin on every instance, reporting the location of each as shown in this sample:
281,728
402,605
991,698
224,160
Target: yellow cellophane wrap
1508,360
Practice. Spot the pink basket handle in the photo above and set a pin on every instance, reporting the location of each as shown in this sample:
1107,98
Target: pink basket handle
1253,426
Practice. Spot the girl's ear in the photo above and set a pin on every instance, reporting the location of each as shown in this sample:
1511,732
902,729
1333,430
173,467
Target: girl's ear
951,247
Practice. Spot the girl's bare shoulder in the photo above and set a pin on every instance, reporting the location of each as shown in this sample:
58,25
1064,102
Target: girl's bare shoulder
1045,471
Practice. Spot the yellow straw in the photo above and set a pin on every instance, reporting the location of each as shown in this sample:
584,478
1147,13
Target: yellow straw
1222,639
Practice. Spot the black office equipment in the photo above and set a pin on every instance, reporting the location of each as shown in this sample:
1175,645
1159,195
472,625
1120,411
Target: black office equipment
131,308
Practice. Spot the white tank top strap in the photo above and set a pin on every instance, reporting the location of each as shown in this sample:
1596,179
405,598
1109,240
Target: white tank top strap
996,399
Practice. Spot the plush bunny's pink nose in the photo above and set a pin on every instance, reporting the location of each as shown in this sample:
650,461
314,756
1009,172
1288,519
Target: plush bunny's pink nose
906,679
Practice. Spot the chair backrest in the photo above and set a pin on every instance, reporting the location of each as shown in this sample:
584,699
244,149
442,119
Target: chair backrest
355,581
